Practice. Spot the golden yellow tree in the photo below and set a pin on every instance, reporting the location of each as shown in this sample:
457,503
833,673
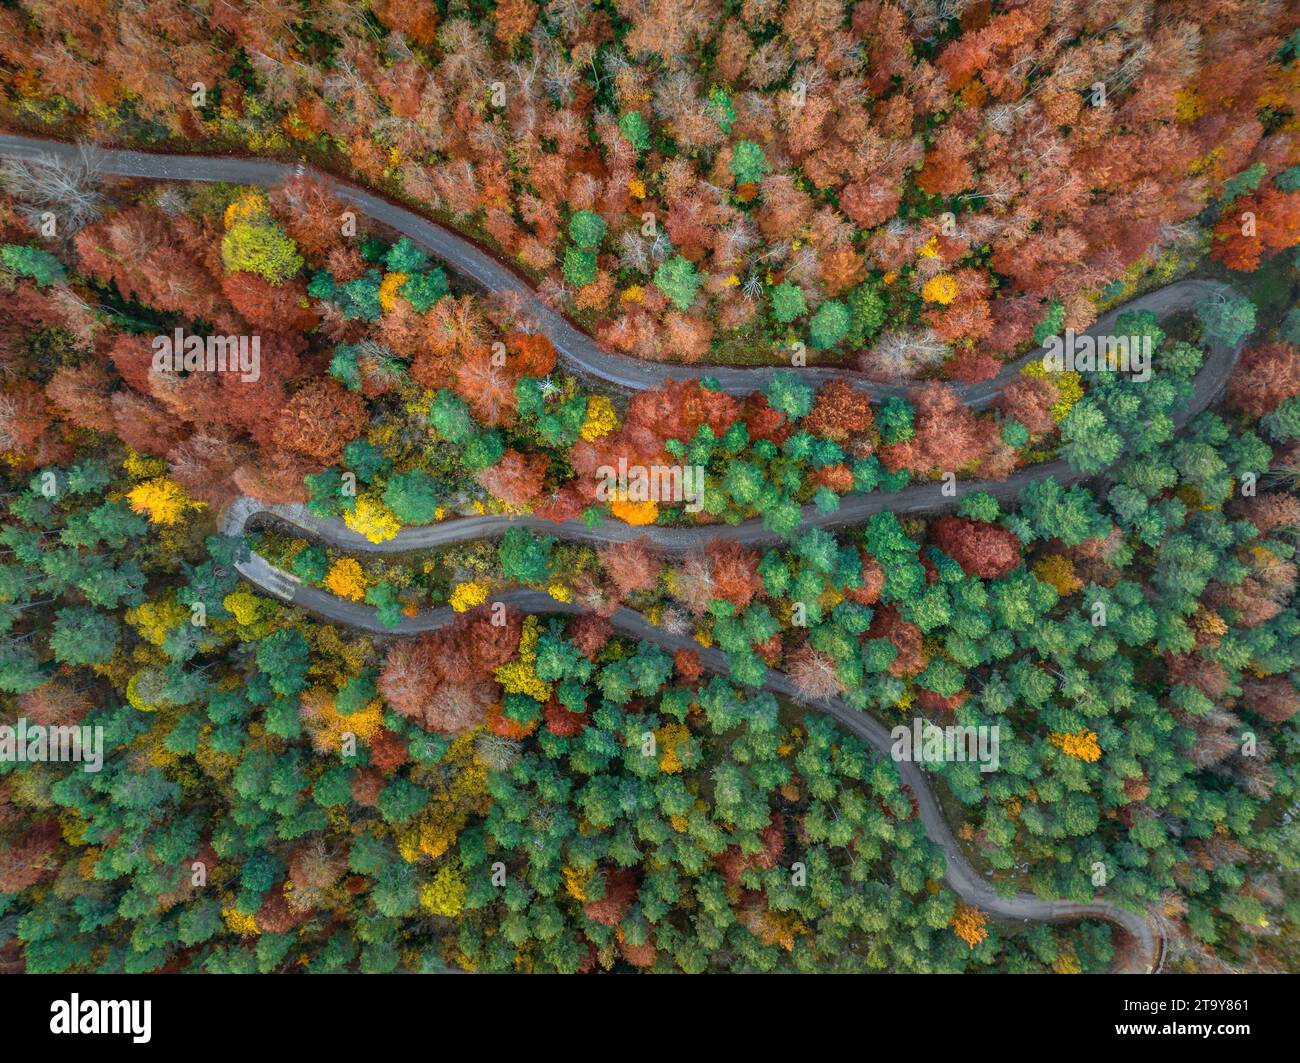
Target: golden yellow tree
1082,745
161,500
373,519
346,579
968,924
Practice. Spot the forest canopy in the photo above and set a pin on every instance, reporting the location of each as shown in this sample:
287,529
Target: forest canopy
371,664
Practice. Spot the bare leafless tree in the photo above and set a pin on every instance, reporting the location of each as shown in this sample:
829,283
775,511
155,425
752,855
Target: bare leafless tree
67,189
903,355
496,752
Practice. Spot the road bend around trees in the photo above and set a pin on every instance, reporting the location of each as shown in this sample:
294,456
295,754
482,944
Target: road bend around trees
583,354
575,347
963,878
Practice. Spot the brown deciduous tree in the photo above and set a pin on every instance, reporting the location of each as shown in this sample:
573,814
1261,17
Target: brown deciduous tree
275,478
80,393
1265,376
840,412
1269,512
23,416
144,425
733,570
489,388
1273,698
55,703
30,858
733,861
906,637
1191,669
283,307
561,722
620,892
633,566
1256,225
1029,400
205,467
948,435
408,678
158,261
517,478
988,551
311,214
589,633
319,420
873,582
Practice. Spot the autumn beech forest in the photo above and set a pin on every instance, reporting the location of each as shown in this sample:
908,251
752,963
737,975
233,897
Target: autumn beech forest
649,487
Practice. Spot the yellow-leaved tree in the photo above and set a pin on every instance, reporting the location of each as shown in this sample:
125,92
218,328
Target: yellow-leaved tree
161,500
445,895
346,579
373,519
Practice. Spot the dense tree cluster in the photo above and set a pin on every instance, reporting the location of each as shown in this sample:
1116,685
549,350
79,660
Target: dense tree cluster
921,185
274,796
505,428
916,191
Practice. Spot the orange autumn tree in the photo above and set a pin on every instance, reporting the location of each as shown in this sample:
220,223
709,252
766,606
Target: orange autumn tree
517,478
840,412
1266,375
733,570
968,924
948,434
320,420
487,385
1257,225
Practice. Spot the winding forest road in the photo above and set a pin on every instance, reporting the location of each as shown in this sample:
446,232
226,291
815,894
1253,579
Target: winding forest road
585,355
963,878
854,508
965,881
471,260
